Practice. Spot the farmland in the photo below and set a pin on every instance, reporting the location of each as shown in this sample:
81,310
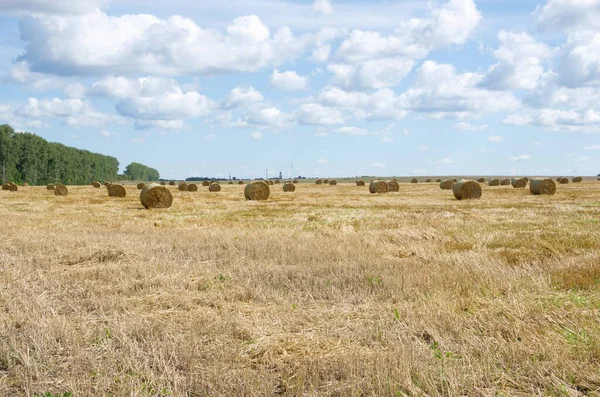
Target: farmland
325,291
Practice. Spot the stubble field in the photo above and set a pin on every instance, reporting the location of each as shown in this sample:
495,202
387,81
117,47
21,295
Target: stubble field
325,291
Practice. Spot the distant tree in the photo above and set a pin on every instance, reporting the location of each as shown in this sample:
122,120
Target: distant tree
141,172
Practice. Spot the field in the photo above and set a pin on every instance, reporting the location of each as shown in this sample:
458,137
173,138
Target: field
326,291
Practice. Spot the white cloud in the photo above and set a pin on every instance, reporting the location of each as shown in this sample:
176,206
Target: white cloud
315,114
464,126
322,161
558,120
373,74
321,53
592,147
496,139
242,97
271,117
520,59
323,7
54,6
569,14
21,74
522,157
168,106
579,63
353,131
378,164
75,90
208,137
256,135
107,134
159,124
96,43
288,81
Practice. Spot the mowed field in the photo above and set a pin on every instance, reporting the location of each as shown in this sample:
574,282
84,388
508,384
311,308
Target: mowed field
326,291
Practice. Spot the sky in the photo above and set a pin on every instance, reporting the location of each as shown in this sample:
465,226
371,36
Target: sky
318,88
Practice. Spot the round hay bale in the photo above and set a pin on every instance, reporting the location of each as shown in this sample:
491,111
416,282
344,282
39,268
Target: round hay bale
289,187
526,179
319,181
6,187
454,180
13,187
183,187
240,182
519,183
140,186
576,179
539,186
192,187
231,182
333,182
393,186
205,183
156,196
50,186
25,184
163,183
61,191
481,180
377,186
505,182
116,190
295,181
325,181
271,183
438,180
563,181
494,182
214,187
414,180
360,183
106,183
277,181
466,190
96,184
428,180
257,191
172,183
448,184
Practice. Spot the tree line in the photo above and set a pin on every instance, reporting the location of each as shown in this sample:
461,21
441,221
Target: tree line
28,158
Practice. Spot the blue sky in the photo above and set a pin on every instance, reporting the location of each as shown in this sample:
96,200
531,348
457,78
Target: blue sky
334,87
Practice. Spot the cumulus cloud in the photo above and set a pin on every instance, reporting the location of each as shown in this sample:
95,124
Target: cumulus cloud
159,124
569,14
50,7
557,119
520,59
315,114
96,43
256,135
464,126
108,134
167,106
242,97
379,73
270,117
288,81
579,63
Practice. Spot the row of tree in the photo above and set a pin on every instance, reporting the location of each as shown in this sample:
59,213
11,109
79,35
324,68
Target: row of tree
26,157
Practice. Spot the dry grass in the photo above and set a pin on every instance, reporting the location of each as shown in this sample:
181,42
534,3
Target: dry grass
331,292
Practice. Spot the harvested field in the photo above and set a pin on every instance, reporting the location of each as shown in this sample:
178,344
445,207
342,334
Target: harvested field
322,292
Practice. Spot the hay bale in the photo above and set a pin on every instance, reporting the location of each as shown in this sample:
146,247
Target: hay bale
140,186
333,182
106,183
454,180
545,186
414,180
428,180
205,183
61,191
377,186
96,184
116,190
319,182
481,180
466,190
563,181
360,183
231,182
257,191
172,183
163,183
183,187
50,186
438,180
295,181
214,187
448,184
13,187
494,182
519,183
6,187
505,182
577,179
156,196
192,187
325,181
277,181
240,182
289,187
393,186
526,179
271,183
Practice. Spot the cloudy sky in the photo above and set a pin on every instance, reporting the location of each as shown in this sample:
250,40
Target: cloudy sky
334,87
